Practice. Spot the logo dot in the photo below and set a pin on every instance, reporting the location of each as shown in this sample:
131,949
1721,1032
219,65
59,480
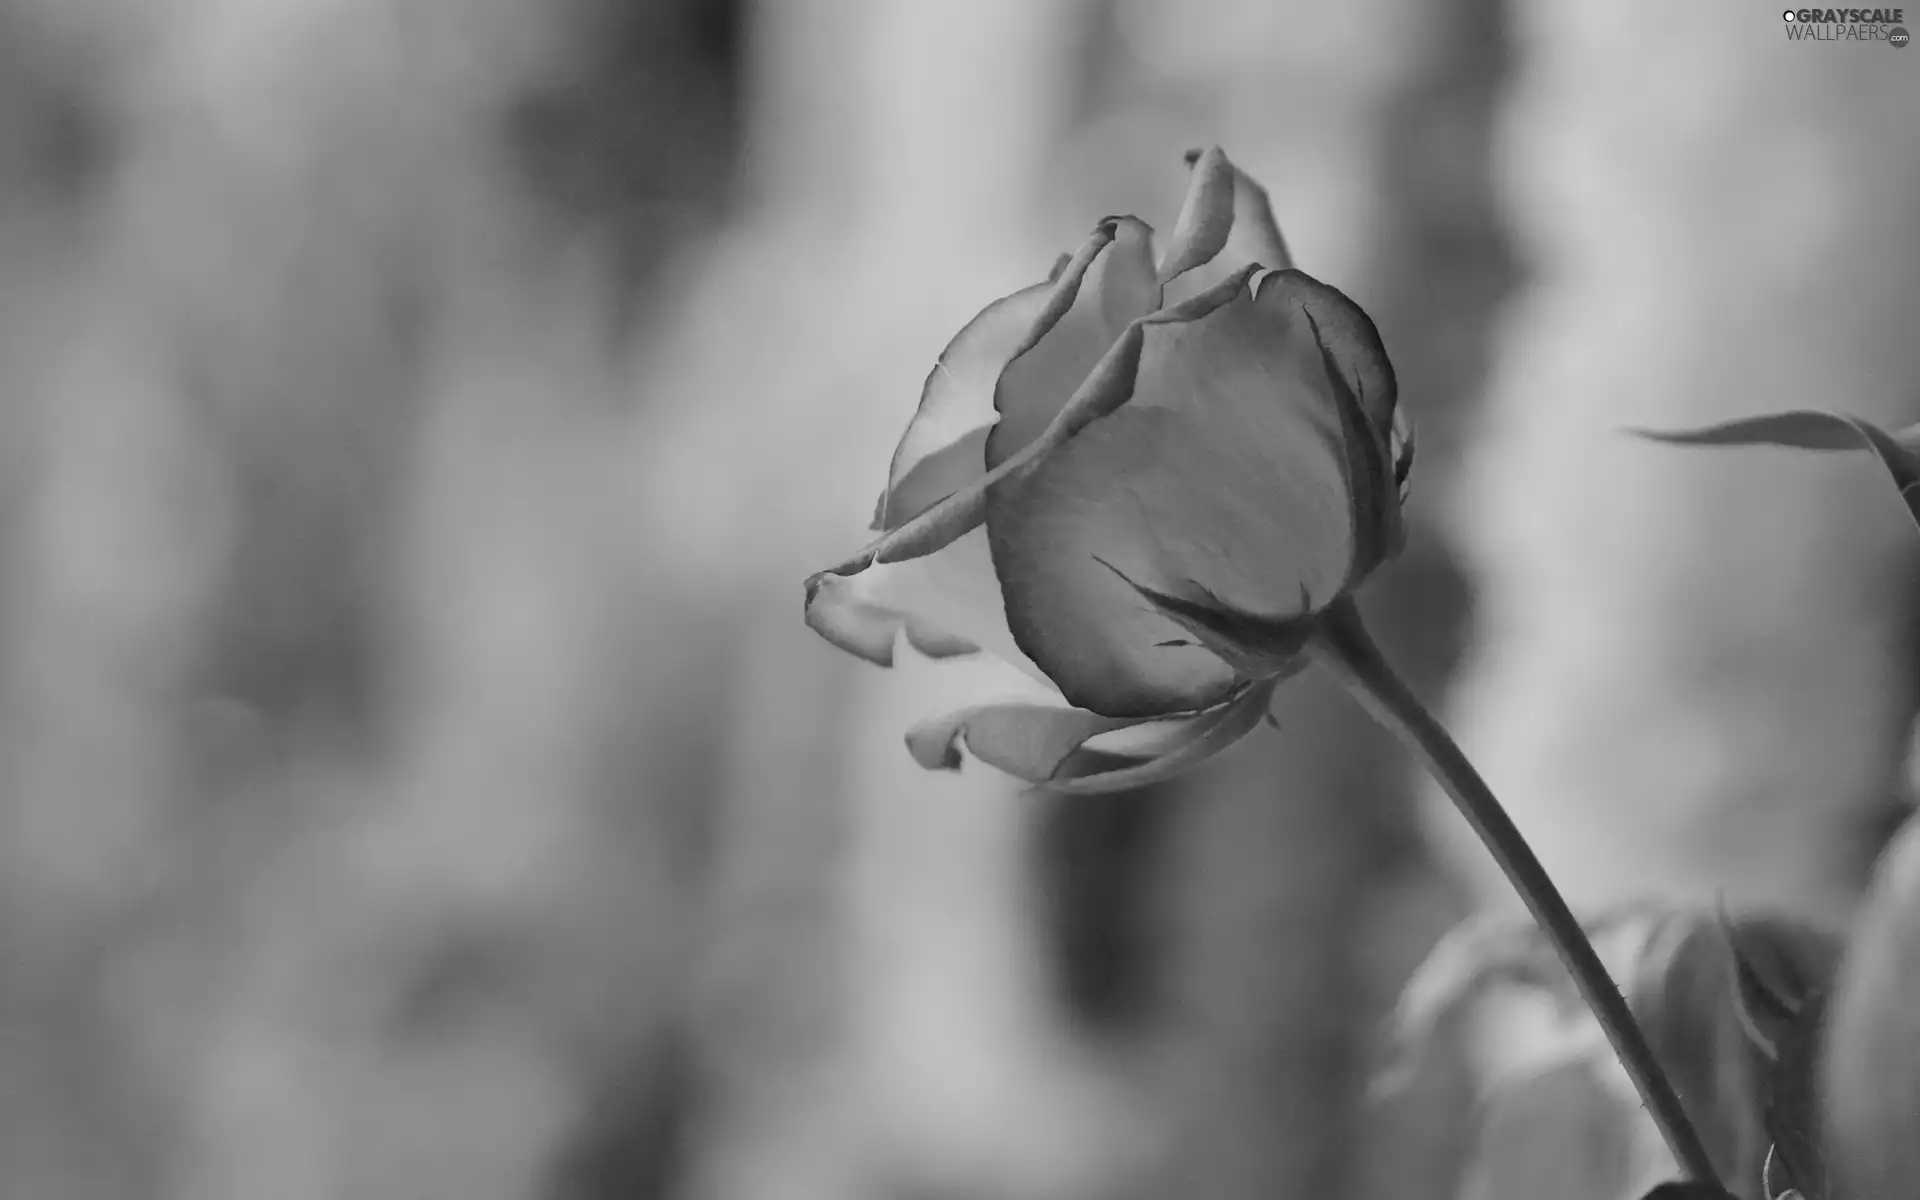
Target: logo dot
1787,15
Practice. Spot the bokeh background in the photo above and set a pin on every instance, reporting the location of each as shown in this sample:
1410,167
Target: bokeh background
417,416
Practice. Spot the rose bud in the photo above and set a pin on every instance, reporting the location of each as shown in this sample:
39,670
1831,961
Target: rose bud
1140,482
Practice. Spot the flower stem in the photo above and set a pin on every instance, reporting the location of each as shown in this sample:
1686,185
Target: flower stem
1343,645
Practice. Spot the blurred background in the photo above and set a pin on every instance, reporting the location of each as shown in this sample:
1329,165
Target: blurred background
417,417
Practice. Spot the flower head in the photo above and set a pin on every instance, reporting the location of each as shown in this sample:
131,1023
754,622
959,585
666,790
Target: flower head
1140,481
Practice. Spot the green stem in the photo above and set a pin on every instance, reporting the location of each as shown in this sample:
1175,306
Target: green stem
1344,646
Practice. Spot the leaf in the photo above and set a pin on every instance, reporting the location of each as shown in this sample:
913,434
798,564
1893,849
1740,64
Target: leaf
1898,452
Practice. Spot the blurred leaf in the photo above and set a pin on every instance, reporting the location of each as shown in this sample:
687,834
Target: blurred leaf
1730,1006
1556,1133
1899,451
1790,1085
1485,953
1870,1075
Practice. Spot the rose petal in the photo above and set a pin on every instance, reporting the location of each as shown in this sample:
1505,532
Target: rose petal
1120,287
959,514
944,600
1027,741
869,630
943,448
1227,469
1226,224
1202,738
1058,748
1206,215
1351,340
1105,390
1378,437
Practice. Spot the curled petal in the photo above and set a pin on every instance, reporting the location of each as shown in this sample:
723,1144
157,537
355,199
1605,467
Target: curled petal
1224,480
1898,452
944,447
1226,224
1206,216
1119,288
869,630
947,603
1070,750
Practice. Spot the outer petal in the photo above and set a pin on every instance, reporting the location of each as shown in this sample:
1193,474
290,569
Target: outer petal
1379,439
869,630
951,519
1120,288
1350,339
1226,224
1224,481
947,603
944,447
1061,748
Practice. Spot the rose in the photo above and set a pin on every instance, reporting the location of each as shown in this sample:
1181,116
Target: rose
1141,485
